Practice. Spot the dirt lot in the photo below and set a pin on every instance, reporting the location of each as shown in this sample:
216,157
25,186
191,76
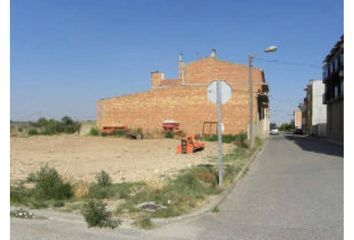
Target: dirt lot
81,157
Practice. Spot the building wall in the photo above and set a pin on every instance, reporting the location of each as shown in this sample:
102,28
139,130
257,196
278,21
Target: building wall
187,103
333,78
298,119
335,121
319,110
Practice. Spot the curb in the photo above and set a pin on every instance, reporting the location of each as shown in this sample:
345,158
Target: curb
213,201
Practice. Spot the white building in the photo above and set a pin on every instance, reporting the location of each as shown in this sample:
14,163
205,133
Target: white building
318,109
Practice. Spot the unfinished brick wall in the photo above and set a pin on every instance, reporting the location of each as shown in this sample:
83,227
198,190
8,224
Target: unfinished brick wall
187,104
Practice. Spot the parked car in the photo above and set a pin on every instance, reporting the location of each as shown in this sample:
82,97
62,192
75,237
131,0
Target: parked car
274,131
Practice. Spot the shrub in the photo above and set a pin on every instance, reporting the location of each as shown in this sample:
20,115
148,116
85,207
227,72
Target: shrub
103,179
94,132
95,214
19,194
169,134
49,184
119,133
239,139
52,126
33,131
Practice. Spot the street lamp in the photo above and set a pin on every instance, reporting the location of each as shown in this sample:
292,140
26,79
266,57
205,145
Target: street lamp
251,57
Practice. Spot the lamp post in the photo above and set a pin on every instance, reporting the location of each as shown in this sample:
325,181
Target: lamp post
250,90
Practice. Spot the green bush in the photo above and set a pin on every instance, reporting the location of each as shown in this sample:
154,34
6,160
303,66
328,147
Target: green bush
49,185
169,134
33,131
19,194
94,132
95,214
52,126
118,133
103,179
228,138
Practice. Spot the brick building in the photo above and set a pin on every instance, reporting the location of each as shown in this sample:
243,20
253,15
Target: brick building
184,100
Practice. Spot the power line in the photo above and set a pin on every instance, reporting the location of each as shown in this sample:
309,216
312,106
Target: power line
290,63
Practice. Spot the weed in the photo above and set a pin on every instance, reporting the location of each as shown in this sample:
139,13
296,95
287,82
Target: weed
81,190
215,209
19,194
103,179
118,133
239,139
59,204
145,223
95,214
32,131
169,134
94,132
49,185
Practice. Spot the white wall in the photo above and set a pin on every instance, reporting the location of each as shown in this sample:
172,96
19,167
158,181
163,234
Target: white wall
319,110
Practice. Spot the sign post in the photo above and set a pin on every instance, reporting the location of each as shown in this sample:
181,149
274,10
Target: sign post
219,92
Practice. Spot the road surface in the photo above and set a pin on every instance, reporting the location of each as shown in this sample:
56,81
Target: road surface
294,190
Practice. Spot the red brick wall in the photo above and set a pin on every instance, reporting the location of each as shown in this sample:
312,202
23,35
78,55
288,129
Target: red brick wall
209,69
188,105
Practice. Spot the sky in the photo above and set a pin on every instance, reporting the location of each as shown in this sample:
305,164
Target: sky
67,54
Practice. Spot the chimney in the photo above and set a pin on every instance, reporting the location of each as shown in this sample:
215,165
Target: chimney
181,68
213,53
156,78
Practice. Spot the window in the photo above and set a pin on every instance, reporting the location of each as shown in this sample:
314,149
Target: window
336,91
341,87
335,65
324,72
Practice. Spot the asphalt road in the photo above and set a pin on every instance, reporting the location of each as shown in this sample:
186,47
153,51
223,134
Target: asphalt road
294,190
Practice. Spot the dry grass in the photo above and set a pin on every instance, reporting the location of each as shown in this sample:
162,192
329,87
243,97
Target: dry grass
81,190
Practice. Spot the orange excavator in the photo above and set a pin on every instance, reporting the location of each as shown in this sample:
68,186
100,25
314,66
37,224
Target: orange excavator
190,145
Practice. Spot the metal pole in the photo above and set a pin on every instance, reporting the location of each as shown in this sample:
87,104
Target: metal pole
218,101
250,88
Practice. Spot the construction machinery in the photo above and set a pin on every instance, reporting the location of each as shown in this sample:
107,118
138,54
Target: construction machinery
190,145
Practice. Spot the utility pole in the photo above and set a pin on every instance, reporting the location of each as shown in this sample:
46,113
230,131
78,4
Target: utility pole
219,113
250,90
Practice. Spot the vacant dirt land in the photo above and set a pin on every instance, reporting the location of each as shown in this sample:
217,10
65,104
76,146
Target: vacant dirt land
81,157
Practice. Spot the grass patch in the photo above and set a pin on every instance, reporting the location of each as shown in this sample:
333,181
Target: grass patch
145,223
239,139
215,209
